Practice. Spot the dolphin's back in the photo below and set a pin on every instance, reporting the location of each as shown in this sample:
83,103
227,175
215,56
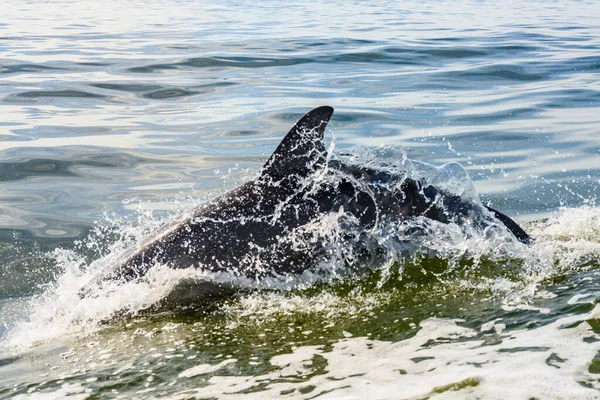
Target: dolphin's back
251,230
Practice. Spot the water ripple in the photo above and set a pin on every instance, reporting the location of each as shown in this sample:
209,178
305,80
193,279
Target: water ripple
26,68
509,72
36,94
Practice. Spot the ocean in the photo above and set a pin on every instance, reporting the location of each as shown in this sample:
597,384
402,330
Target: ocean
120,116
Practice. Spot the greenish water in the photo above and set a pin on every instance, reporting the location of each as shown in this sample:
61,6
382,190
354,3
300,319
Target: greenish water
116,116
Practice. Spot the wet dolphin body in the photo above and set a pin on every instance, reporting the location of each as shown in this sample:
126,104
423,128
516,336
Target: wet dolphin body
250,230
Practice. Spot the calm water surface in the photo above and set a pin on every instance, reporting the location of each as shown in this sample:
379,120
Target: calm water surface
125,112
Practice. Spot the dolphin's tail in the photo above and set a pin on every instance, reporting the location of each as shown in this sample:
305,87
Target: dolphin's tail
512,226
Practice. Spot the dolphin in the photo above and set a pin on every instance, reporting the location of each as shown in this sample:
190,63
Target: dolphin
261,228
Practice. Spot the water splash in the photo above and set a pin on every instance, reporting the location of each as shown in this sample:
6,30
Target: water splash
467,255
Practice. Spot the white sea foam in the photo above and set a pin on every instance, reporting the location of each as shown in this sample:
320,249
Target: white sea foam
441,361
71,391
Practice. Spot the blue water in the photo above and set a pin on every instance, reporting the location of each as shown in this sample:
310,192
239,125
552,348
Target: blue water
107,105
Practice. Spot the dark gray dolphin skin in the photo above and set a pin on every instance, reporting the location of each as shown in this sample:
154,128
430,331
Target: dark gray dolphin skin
250,230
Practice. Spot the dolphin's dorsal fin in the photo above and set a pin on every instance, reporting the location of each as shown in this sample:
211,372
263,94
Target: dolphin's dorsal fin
302,150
